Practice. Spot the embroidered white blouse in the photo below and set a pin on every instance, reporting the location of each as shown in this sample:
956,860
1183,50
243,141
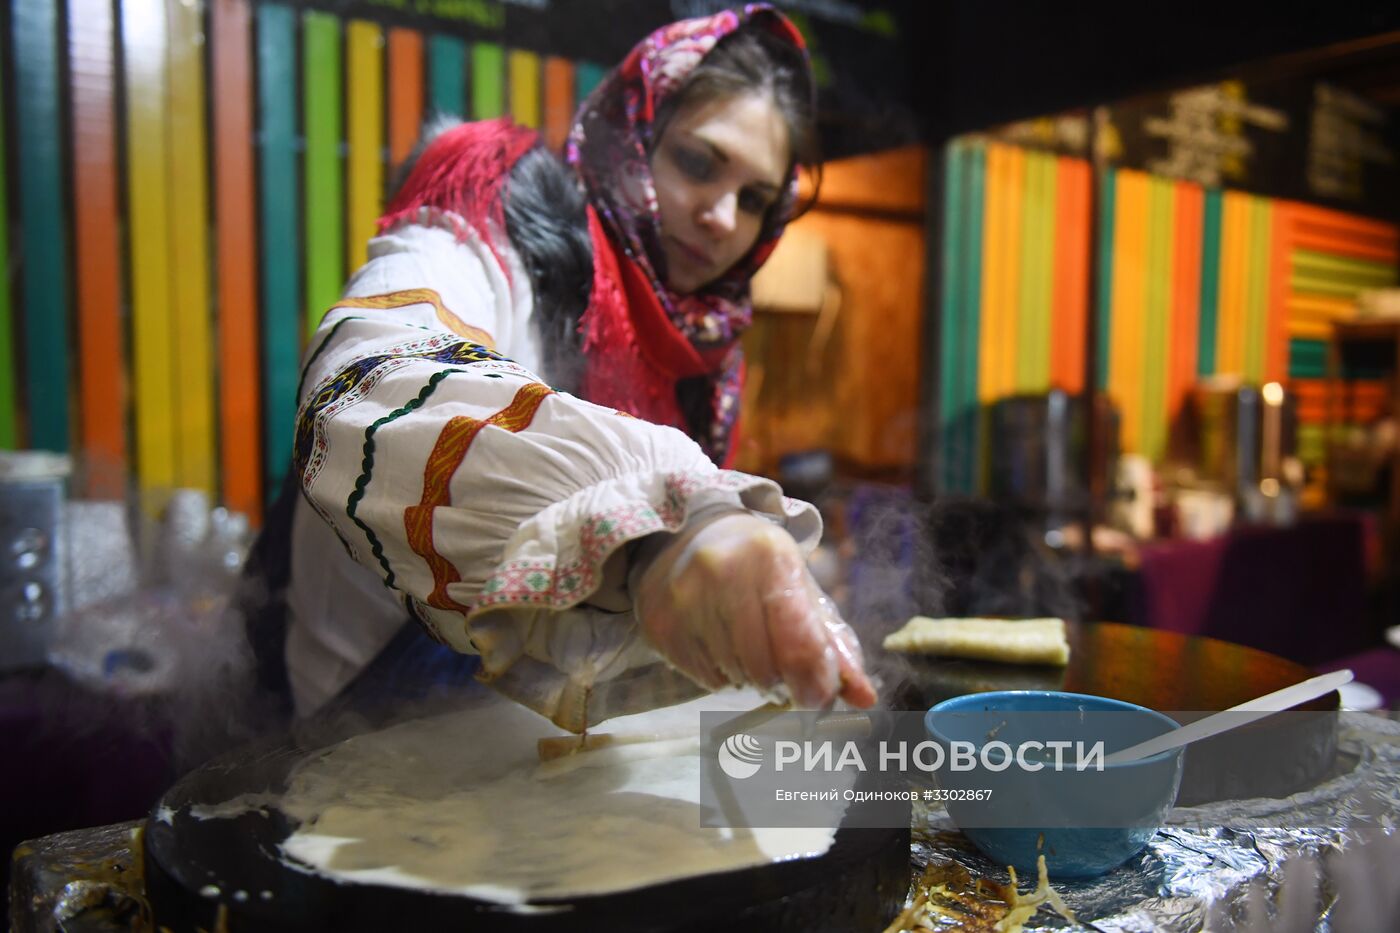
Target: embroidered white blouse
443,472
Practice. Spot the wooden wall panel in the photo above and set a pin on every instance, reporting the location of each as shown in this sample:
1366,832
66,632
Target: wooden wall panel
43,211
192,323
447,76
236,263
524,87
323,178
9,361
280,198
102,408
488,81
405,91
153,359
364,136
860,397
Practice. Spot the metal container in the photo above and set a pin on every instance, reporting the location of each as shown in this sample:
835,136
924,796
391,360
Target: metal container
1039,447
32,572
1240,437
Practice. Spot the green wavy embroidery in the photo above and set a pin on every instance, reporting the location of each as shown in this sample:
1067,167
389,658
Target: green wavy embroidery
367,467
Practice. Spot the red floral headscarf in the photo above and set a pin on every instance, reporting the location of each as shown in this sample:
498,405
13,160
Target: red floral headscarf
639,338
671,336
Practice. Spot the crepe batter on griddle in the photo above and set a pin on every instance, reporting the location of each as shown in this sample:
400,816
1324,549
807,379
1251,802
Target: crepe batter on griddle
456,804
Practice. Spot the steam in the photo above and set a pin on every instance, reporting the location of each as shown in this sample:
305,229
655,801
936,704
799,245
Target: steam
956,556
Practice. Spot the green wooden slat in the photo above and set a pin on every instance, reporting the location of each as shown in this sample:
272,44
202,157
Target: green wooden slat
1210,282
281,206
1307,359
1335,288
324,182
970,439
586,78
488,84
1027,300
42,213
9,413
447,75
1256,336
1107,197
1311,262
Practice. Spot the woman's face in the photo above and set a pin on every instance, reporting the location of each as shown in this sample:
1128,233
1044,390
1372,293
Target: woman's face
718,167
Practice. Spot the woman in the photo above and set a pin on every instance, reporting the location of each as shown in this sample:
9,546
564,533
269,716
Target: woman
590,552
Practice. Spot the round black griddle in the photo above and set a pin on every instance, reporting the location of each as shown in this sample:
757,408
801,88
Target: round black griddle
228,875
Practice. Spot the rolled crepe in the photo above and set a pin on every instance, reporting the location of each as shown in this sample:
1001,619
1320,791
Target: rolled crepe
1009,641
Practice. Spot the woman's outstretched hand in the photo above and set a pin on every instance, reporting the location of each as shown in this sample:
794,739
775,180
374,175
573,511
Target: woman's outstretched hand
729,601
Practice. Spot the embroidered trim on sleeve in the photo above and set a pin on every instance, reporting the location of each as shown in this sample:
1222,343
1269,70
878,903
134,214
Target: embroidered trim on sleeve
449,451
359,377
558,584
415,296
362,481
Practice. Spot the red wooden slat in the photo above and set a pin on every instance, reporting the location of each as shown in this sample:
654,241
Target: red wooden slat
235,201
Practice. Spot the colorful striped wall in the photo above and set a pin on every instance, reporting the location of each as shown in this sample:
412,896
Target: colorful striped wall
212,222
1334,257
1193,283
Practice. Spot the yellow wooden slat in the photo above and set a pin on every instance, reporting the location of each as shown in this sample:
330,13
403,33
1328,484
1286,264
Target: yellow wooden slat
1320,307
153,367
191,337
525,88
364,131
1129,308
1234,282
1008,340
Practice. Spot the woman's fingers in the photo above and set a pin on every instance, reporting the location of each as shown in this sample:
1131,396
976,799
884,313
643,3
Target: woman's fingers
733,602
856,687
802,651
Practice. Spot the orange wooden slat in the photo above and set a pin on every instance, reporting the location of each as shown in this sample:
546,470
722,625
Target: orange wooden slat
97,243
558,101
236,271
405,91
991,299
1234,281
1369,249
1185,296
1129,295
1326,220
1071,274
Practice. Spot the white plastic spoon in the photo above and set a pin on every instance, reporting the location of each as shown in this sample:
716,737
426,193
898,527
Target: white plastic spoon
1266,705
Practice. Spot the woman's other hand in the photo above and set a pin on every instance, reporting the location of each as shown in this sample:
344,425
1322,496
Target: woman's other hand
730,601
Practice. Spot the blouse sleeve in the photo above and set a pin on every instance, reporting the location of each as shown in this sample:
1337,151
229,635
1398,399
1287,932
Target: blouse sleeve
500,506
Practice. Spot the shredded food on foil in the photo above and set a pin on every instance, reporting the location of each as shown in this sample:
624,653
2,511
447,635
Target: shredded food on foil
947,897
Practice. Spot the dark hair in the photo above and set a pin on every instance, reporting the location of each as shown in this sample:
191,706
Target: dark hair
751,59
547,222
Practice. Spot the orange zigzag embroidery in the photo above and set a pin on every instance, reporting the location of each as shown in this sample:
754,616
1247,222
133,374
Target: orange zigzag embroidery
448,452
418,296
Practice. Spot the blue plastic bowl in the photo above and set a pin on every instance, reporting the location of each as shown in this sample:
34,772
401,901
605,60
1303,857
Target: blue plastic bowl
1085,822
